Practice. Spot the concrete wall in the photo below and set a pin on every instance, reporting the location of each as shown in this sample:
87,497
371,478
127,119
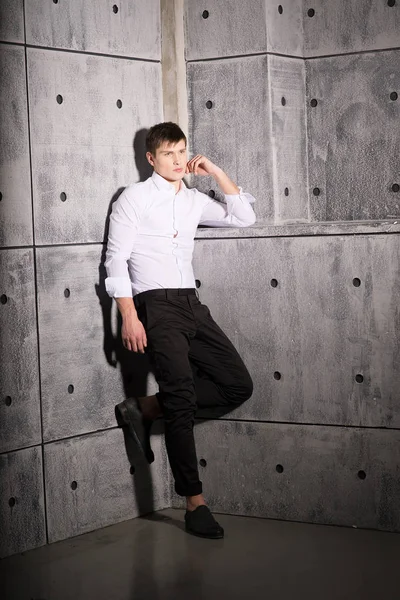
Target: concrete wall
305,115
81,82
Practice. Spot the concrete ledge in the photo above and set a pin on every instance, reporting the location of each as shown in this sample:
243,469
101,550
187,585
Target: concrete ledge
269,230
301,229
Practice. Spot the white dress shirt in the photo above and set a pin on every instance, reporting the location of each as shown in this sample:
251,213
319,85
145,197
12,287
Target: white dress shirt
152,230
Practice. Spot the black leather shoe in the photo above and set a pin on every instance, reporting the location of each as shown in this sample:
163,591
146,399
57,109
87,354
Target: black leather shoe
200,522
131,416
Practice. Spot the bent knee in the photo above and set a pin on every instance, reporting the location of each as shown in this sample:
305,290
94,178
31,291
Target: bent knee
248,388
243,389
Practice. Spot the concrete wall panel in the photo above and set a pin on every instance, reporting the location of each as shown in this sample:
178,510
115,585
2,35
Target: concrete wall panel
19,372
105,491
315,328
84,147
355,117
235,132
78,343
12,21
285,33
22,518
350,26
15,181
331,475
94,26
231,28
235,28
289,146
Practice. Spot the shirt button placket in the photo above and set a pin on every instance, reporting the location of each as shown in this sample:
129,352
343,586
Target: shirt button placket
175,244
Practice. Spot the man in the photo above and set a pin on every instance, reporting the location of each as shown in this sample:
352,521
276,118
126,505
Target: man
150,274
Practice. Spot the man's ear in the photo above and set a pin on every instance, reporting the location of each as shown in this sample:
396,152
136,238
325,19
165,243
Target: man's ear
149,157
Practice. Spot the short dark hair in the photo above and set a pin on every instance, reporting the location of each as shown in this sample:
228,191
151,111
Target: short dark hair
163,132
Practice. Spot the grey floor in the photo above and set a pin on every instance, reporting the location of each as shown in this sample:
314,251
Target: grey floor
152,558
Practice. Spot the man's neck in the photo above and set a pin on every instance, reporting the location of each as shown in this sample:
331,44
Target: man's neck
176,184
179,186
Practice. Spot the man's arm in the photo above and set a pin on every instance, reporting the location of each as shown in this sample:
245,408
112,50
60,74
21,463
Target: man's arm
225,184
236,211
124,222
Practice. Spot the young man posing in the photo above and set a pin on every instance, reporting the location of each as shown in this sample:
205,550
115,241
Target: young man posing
150,274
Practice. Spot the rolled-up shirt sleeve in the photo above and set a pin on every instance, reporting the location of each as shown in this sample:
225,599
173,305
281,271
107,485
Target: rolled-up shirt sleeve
124,222
235,211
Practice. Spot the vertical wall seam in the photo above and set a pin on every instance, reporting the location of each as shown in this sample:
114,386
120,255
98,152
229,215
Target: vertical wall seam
35,279
303,50
173,64
307,142
183,112
275,189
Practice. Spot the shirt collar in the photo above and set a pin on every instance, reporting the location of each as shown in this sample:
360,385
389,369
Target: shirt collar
163,184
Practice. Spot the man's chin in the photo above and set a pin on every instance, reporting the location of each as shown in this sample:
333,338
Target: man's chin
176,176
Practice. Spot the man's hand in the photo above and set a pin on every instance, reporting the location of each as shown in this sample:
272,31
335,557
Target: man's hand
133,334
200,165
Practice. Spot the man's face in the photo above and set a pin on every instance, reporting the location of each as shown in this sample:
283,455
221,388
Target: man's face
170,160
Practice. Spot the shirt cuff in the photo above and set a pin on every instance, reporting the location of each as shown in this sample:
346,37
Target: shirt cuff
118,287
248,197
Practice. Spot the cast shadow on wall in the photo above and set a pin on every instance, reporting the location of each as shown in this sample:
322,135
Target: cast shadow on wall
134,367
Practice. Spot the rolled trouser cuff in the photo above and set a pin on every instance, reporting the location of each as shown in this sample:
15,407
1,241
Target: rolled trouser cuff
192,490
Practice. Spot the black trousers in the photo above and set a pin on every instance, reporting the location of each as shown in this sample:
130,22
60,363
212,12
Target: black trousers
197,368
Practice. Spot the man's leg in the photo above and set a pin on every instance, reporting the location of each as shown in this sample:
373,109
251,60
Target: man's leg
170,326
177,330
222,381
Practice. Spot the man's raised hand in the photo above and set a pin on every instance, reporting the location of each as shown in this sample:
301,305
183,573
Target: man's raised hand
200,165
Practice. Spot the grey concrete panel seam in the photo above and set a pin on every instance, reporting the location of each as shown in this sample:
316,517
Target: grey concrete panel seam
262,235
300,423
28,447
27,247
232,57
293,56
79,435
299,235
67,245
202,419
104,55
354,53
5,42
220,237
